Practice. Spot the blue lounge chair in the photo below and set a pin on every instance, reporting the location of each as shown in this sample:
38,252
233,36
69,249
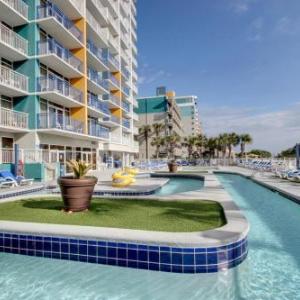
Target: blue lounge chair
17,180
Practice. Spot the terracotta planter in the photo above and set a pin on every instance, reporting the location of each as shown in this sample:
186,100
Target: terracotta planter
76,193
172,167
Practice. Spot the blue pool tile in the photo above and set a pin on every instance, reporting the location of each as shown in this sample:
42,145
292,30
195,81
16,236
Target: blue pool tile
178,250
73,241
92,243
74,249
177,269
111,262
201,259
82,258
102,260
212,269
15,243
176,259
165,257
122,253
111,244
189,269
142,247
23,244
188,259
122,263
153,267
74,257
142,255
30,244
132,246
153,248
55,247
165,268
82,249
92,259
82,242
201,269
55,255
102,251
92,250
47,254
143,265
111,252
47,246
122,245
39,253
132,254
212,258
153,256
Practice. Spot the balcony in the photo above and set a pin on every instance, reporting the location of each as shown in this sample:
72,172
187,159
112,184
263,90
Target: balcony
13,121
113,24
96,107
59,91
58,25
96,32
125,73
13,12
113,6
113,62
59,125
12,46
113,82
112,100
112,121
96,130
96,57
98,10
126,91
59,59
96,84
113,44
126,108
74,9
126,125
12,83
125,41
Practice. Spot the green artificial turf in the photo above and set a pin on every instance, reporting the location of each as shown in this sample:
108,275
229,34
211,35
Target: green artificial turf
169,216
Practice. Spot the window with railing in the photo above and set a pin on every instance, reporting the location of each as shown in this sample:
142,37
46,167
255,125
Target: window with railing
97,78
13,39
97,130
13,79
111,97
15,119
19,5
112,118
50,10
51,46
52,83
94,102
98,52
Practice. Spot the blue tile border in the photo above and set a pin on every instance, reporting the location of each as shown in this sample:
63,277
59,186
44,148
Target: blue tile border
138,256
16,193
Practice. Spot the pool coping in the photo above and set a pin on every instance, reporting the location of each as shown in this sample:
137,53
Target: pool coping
236,229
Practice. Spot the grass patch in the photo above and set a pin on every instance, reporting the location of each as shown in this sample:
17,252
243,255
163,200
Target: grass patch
170,216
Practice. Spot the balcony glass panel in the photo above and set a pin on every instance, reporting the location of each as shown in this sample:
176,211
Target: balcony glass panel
126,123
98,52
93,101
97,130
97,78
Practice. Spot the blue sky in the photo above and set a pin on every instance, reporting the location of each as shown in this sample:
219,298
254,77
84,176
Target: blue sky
240,57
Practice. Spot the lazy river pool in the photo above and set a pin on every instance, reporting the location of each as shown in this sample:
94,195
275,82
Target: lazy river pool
271,271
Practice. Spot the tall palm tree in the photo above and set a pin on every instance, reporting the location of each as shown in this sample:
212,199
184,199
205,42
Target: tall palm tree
212,145
232,141
201,141
158,142
244,140
189,143
172,142
144,135
223,143
157,128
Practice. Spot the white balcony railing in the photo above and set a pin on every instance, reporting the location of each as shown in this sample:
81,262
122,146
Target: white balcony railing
13,39
102,32
13,79
15,119
19,5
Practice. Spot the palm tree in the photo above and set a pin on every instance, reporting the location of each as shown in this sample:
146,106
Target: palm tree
244,140
172,142
212,145
223,143
158,142
158,128
189,143
201,141
232,141
144,134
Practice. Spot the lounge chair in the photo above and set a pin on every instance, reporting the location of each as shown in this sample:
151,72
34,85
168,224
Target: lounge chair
17,180
6,184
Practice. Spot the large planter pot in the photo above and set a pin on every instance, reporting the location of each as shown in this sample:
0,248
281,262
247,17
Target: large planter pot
172,167
77,193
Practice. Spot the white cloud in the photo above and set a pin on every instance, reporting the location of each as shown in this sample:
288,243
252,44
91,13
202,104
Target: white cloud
271,130
289,26
255,29
241,6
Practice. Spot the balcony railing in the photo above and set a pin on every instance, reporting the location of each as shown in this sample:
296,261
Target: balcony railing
55,84
96,77
97,130
113,60
126,90
15,119
51,10
112,119
98,52
52,47
18,5
13,39
95,103
13,79
55,121
126,123
113,79
112,98
126,106
125,72
103,33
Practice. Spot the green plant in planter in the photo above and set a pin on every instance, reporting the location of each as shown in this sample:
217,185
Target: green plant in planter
79,168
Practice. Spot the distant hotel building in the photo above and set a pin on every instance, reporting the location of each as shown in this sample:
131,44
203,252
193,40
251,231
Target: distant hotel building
189,115
68,80
178,114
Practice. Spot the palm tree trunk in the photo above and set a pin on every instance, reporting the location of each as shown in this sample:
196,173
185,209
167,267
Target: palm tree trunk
147,154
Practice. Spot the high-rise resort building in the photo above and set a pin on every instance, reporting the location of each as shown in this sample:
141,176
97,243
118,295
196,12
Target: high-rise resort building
68,82
189,115
163,109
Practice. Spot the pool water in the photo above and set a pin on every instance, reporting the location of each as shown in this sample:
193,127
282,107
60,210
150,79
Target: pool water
271,271
180,185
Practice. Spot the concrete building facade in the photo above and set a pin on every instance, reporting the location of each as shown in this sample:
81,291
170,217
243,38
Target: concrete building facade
68,80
